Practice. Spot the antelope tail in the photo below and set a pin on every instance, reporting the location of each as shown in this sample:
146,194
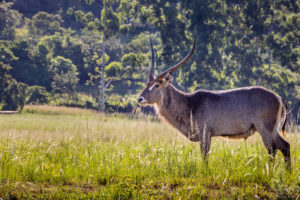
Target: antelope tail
284,113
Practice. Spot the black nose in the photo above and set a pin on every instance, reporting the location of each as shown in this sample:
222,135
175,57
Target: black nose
140,99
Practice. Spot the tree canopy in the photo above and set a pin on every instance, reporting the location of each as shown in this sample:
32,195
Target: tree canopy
58,47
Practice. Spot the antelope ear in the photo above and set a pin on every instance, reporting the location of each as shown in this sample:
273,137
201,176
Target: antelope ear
168,79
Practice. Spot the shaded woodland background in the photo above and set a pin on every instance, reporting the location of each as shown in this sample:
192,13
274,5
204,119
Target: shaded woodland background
51,51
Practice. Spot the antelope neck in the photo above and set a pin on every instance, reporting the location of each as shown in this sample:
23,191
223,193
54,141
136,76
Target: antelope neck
175,110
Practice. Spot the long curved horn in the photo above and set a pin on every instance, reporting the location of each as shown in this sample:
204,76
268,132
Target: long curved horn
182,62
151,71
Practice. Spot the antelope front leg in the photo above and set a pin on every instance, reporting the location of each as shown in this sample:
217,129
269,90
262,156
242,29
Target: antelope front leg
205,140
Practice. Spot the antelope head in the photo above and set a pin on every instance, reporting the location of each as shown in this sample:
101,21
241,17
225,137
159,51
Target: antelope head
153,92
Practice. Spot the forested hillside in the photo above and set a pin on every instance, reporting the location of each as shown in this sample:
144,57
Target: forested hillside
51,51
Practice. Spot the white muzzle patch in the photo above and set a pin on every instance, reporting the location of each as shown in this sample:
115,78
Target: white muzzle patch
141,100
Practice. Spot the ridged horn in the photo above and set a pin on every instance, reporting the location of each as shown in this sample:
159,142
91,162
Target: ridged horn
178,65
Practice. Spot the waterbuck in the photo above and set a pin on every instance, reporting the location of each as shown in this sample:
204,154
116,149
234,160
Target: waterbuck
235,113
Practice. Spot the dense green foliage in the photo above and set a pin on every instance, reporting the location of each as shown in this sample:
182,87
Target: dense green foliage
59,153
240,43
12,93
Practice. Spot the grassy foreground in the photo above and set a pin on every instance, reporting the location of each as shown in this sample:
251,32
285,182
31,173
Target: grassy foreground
63,153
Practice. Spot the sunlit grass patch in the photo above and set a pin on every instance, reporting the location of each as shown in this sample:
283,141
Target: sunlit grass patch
115,156
56,110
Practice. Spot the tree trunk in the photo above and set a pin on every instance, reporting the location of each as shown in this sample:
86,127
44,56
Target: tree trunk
257,46
270,57
102,75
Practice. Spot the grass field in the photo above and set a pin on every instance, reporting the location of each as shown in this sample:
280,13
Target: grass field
64,153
